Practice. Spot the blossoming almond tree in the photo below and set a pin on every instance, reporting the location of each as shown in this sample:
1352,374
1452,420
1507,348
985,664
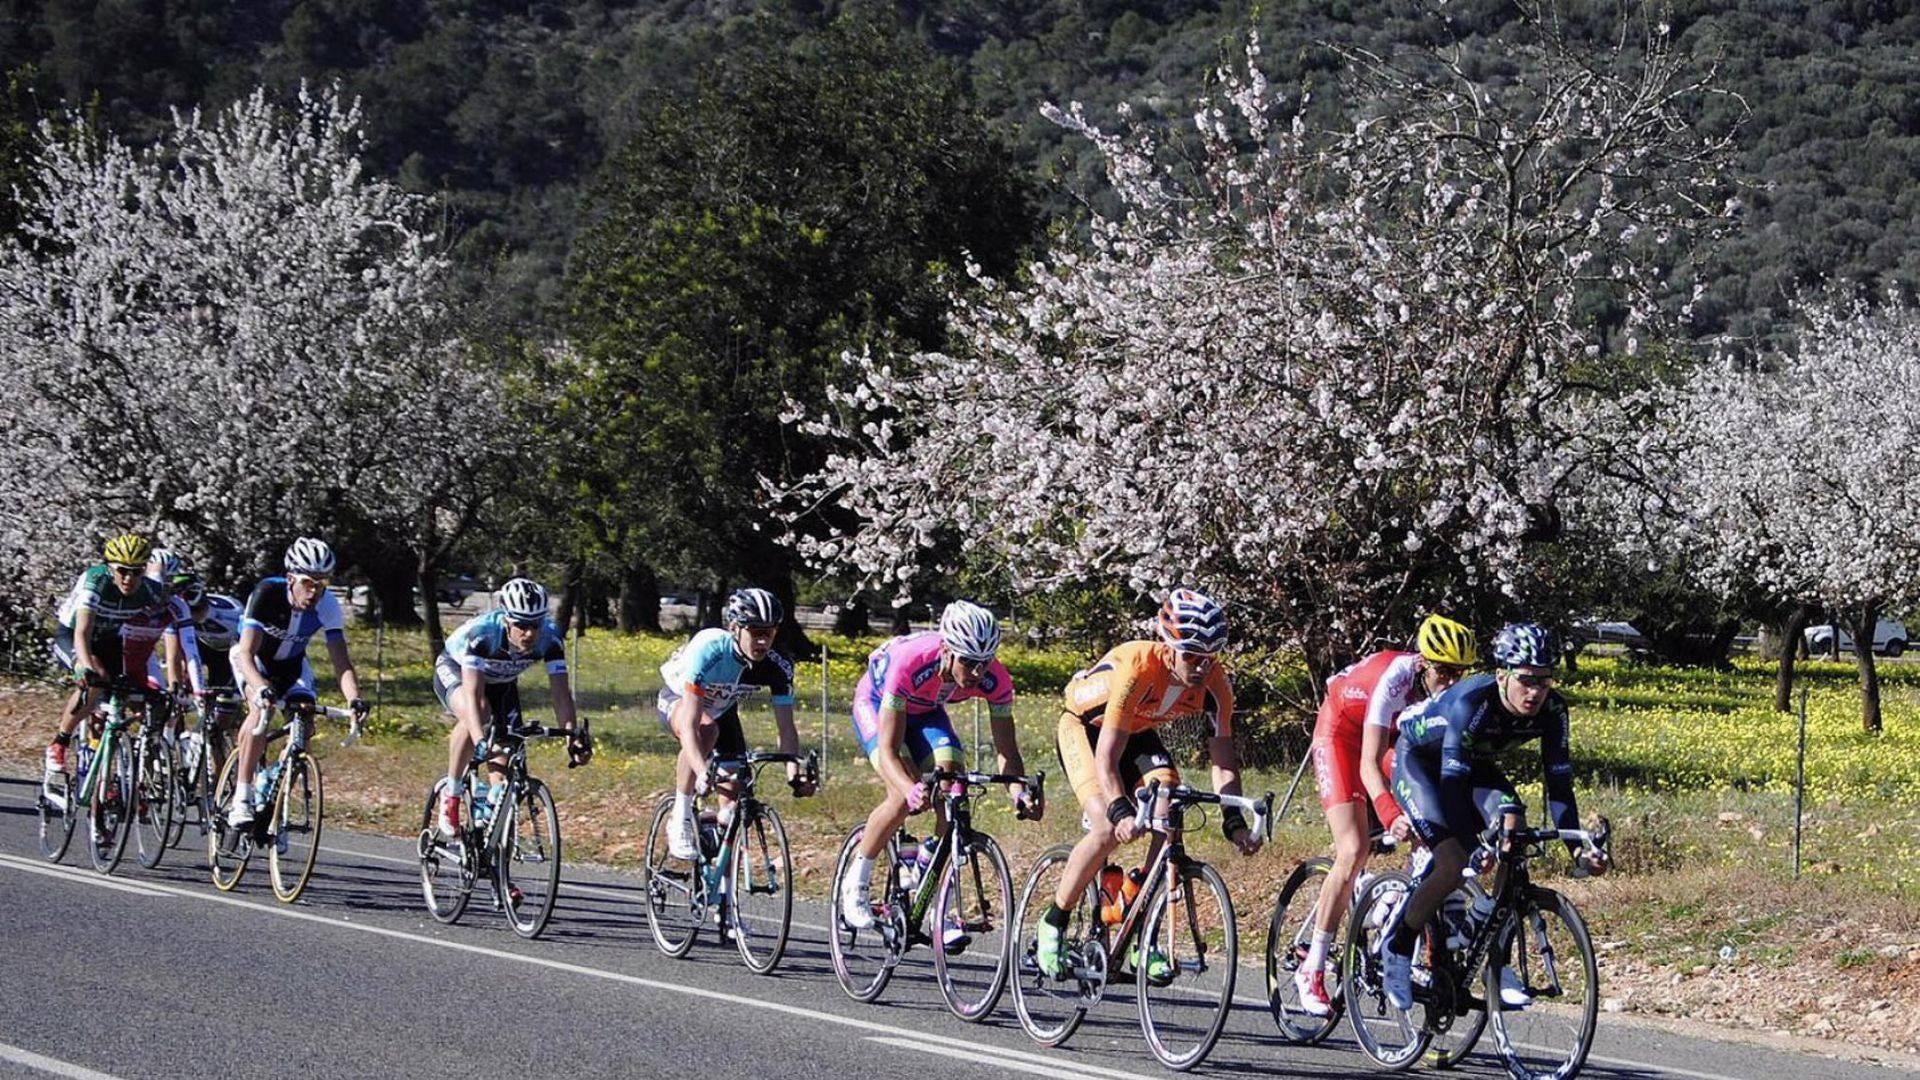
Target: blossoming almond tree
1316,372
223,339
1798,472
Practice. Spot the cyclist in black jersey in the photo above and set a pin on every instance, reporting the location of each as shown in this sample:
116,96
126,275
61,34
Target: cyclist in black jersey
270,659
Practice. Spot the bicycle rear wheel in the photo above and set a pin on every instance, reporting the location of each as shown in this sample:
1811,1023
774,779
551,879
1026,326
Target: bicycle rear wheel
153,799
977,901
446,864
298,809
1191,924
864,959
1289,937
676,891
762,888
55,802
109,816
1393,1038
1051,1007
527,865
1551,953
228,848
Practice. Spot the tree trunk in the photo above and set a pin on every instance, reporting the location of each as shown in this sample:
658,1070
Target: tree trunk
1869,675
793,637
1793,633
430,604
569,603
712,603
639,600
854,619
392,582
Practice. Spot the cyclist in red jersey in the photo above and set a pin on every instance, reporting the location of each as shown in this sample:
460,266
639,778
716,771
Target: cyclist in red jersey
1352,752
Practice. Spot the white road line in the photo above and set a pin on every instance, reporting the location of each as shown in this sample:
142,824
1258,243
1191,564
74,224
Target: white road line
928,1046
42,1063
54,870
1066,1066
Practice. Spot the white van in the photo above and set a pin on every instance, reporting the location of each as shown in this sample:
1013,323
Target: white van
1889,639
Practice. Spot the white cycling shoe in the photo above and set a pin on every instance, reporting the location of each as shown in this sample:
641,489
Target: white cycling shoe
1513,992
856,903
681,843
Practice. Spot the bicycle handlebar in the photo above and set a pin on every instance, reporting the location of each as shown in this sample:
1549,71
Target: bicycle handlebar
1182,795
717,767
1036,784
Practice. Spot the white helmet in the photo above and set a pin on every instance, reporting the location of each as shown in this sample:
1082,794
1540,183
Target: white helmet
523,600
310,557
163,564
969,631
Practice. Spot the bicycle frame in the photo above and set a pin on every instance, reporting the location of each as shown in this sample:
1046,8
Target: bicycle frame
122,707
743,774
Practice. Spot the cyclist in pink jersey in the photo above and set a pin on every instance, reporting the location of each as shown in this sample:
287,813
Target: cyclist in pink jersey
900,705
1352,751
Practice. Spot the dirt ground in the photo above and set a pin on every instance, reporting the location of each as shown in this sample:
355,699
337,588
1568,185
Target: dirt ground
1817,964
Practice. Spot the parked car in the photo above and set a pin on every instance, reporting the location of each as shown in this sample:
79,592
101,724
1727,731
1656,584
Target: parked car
452,590
1889,638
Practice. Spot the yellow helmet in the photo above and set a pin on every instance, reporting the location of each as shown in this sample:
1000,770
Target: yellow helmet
1444,641
128,549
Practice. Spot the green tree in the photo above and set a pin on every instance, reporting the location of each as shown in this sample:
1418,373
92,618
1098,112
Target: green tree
813,194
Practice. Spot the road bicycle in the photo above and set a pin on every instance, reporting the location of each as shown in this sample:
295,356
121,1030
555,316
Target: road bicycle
1180,929
98,781
964,886
741,877
1542,1021
509,836
156,778
200,753
290,805
1289,936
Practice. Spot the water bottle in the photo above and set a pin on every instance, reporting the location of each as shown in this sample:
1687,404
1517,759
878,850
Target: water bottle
190,746
1456,918
1113,903
910,865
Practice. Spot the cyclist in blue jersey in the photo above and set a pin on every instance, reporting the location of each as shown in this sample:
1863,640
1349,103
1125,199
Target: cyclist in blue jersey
1445,777
703,683
477,678
284,613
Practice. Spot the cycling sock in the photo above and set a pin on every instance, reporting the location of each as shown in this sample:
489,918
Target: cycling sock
1055,916
862,869
1317,949
683,805
1403,939
455,785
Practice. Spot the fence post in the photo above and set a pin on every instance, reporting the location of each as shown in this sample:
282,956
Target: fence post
1800,782
825,727
379,661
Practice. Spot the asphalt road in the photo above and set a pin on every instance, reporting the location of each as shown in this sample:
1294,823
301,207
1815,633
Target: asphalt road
155,974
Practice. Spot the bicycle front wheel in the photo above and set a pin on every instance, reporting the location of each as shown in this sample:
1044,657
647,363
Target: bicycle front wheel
864,957
1551,956
1451,1046
1051,1006
57,813
1393,1038
109,817
972,923
446,864
1186,973
298,808
154,800
762,888
228,848
1289,938
527,866
676,891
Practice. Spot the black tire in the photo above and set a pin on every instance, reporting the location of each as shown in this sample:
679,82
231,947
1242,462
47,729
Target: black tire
228,849
299,811
979,899
1895,648
1551,950
1289,935
677,902
154,799
1050,1008
1451,1046
446,866
528,860
1190,922
57,811
110,814
214,753
762,888
1393,1038
864,959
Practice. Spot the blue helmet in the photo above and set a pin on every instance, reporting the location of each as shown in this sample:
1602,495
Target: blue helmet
1524,645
